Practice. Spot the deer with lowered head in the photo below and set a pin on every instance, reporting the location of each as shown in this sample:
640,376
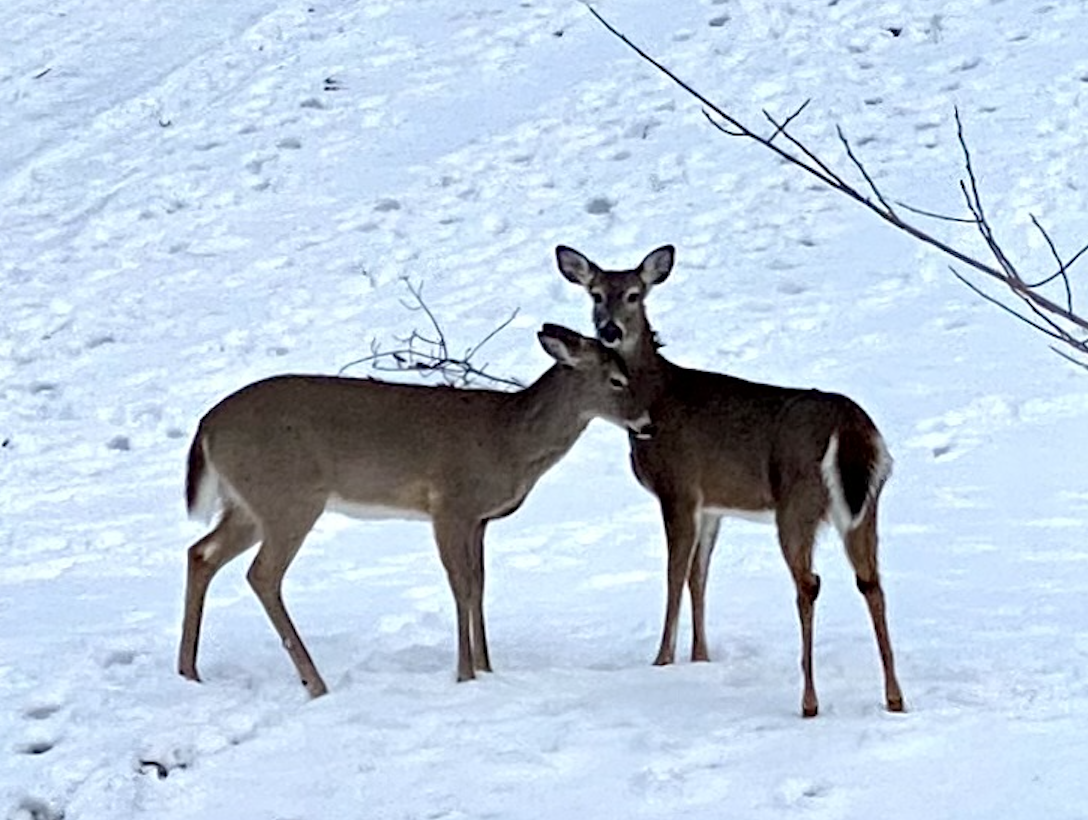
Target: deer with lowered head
725,446
279,452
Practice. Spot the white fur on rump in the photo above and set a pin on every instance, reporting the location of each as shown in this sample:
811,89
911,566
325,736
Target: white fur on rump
838,510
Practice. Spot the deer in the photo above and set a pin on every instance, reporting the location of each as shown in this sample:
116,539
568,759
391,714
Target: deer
276,454
724,446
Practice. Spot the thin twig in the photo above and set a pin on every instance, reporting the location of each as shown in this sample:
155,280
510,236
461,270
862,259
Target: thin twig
1049,315
993,300
863,170
934,214
722,128
824,172
1070,357
1061,272
779,129
417,292
430,356
472,351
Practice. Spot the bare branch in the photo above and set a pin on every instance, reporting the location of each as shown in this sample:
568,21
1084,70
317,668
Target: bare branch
1075,257
935,215
1055,320
863,171
721,127
472,351
417,294
430,356
718,112
1071,358
826,175
1026,320
1061,272
779,129
975,204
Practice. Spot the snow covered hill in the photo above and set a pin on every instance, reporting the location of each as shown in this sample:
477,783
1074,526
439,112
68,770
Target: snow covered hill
198,195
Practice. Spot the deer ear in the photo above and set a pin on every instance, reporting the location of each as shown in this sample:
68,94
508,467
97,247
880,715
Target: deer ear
573,265
657,265
562,344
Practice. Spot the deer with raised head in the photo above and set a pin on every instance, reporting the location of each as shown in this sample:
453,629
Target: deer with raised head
279,452
726,446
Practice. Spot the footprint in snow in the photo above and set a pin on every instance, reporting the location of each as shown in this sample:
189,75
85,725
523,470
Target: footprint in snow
800,794
34,808
41,736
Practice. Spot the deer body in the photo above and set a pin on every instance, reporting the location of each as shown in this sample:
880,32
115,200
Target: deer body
279,452
727,446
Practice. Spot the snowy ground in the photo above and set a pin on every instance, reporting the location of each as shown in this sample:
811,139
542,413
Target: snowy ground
196,195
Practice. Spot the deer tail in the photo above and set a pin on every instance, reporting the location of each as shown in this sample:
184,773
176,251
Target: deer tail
201,484
855,466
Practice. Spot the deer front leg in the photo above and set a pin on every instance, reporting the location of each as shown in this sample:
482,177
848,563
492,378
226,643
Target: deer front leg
700,567
455,546
480,655
681,532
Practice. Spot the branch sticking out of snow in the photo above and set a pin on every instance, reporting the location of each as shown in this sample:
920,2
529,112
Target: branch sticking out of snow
427,352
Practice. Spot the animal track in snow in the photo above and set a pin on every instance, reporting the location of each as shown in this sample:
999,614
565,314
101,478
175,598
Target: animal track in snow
35,747
42,711
957,432
600,206
34,808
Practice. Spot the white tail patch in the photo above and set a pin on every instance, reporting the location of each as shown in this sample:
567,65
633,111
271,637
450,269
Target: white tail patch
207,492
838,510
882,470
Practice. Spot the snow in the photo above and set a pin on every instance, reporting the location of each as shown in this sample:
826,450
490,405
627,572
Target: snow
193,196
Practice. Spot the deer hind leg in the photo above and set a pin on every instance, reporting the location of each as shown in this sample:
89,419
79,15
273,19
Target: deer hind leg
457,548
681,532
480,655
233,535
700,566
861,547
283,536
798,521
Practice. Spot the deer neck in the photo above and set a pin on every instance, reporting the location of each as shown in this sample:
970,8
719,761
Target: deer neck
547,419
648,369
642,357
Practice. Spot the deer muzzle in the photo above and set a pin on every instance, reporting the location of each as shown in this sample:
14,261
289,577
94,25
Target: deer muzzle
643,427
610,334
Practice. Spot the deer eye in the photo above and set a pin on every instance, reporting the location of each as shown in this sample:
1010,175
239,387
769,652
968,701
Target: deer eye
617,382
632,297
598,297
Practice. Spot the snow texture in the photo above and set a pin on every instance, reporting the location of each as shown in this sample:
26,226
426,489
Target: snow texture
196,195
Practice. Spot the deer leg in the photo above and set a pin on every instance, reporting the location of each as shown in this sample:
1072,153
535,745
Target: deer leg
456,548
681,532
233,535
861,547
480,655
700,566
797,534
278,549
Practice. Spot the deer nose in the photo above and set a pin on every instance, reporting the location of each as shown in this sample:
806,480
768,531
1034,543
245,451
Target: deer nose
610,333
644,428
